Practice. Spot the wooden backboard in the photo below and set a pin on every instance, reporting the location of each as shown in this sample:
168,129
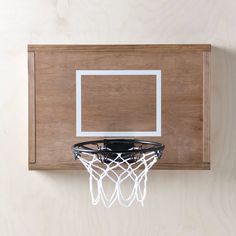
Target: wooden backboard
151,92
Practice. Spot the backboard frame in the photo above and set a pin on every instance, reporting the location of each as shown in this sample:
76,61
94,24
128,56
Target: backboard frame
80,133
33,50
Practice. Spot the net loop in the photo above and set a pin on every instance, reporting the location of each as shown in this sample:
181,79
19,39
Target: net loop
117,170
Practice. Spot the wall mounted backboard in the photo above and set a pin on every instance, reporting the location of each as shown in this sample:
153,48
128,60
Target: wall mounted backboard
151,92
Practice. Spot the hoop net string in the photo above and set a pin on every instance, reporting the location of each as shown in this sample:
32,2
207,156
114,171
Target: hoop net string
117,172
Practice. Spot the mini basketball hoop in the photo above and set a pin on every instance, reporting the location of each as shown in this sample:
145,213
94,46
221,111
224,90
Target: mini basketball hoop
118,160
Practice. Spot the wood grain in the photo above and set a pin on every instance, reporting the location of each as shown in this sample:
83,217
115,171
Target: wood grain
118,103
178,203
206,107
185,103
158,166
32,119
119,48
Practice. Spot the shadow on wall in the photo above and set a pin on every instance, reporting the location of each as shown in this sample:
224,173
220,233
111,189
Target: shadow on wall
223,131
223,110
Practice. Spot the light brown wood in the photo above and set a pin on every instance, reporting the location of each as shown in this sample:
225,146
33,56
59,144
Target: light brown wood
32,144
119,48
158,166
185,106
206,107
118,103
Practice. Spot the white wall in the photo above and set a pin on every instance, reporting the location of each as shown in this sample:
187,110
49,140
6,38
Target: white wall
179,203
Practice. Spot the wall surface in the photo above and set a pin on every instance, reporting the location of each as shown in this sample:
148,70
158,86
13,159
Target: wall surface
186,203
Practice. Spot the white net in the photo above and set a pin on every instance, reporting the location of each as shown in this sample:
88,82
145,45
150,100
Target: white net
117,173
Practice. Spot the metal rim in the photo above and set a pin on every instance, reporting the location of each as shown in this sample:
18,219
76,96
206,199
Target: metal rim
81,147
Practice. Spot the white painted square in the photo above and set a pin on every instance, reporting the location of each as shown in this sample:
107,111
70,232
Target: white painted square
81,133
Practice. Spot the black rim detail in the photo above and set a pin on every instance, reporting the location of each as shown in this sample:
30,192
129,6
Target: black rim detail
118,146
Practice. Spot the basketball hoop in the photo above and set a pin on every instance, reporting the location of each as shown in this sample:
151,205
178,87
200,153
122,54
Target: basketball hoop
118,160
